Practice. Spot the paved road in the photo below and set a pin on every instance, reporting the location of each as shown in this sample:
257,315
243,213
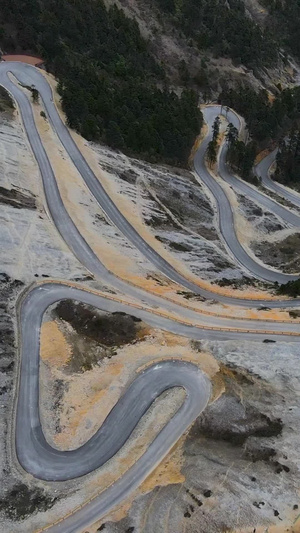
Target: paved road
43,461
29,75
225,212
262,171
34,452
243,187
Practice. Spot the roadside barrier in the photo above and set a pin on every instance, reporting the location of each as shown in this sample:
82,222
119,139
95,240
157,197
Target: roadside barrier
175,319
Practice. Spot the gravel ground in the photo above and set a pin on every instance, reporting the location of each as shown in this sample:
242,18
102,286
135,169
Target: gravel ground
241,460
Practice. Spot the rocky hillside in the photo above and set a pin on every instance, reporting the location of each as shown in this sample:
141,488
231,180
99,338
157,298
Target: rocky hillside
213,44
239,461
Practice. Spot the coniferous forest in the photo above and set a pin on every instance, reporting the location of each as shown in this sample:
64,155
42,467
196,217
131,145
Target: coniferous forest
114,91
283,20
112,88
288,160
224,28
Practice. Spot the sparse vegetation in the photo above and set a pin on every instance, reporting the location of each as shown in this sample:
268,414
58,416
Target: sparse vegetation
22,501
282,254
283,20
115,329
6,102
35,95
295,314
292,288
17,199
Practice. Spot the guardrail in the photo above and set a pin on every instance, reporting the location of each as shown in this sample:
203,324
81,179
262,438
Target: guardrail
164,315
171,317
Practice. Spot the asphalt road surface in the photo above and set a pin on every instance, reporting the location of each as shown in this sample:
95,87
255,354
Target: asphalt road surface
43,461
46,462
35,454
262,171
28,75
225,212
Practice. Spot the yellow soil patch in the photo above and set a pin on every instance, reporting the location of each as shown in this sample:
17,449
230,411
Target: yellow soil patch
110,255
75,194
168,471
289,527
69,181
166,342
271,98
261,156
87,396
30,60
93,393
54,348
128,209
271,316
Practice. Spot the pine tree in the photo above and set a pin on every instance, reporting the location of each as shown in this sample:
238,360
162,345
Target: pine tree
216,128
211,153
231,134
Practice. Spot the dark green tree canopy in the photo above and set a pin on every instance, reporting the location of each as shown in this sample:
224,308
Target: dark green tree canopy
284,20
288,159
223,27
109,82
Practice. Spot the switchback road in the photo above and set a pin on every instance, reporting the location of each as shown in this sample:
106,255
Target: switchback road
28,75
262,171
33,451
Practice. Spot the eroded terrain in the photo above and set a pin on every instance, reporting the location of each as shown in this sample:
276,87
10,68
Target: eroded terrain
240,463
237,468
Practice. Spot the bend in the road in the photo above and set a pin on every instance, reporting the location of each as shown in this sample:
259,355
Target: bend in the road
262,170
34,452
225,212
65,225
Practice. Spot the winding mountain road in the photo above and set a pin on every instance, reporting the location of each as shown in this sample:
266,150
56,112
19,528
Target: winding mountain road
34,453
242,186
226,215
225,212
41,459
28,75
262,171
